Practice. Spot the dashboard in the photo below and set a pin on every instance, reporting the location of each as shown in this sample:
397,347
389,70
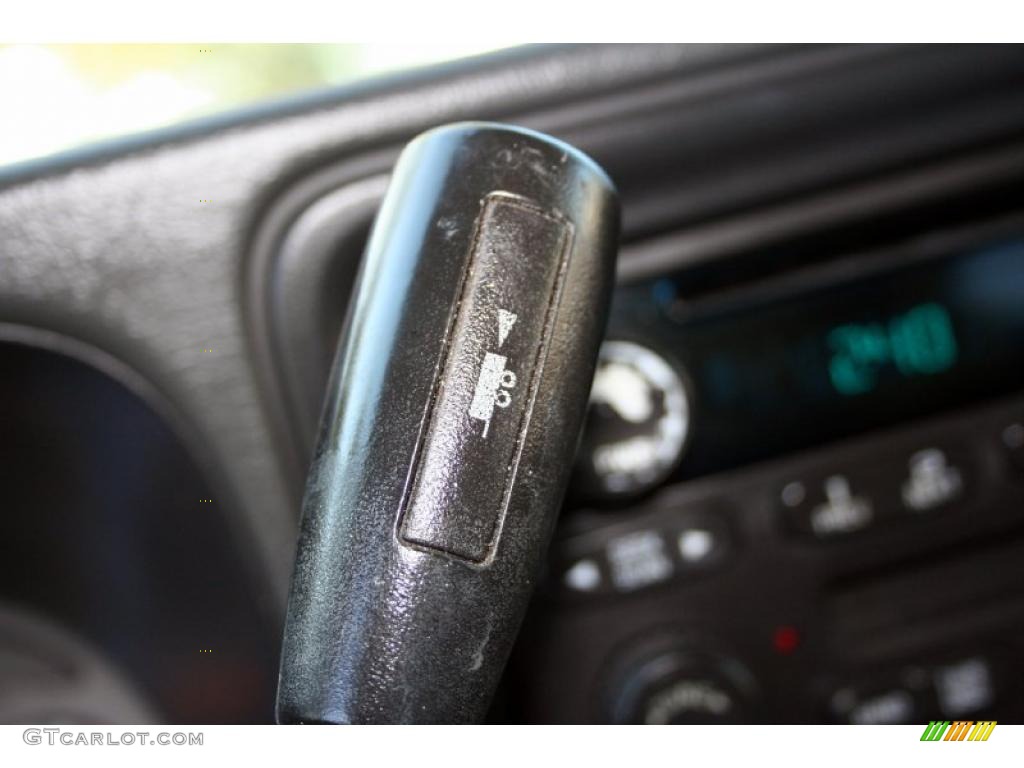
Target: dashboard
799,494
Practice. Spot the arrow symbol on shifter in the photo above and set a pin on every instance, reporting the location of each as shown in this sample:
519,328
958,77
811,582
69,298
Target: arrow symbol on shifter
506,320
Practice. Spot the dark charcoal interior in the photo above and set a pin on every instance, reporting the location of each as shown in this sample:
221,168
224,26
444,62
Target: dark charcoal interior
797,189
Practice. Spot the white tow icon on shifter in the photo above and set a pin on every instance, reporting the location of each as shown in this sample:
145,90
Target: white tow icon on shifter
494,383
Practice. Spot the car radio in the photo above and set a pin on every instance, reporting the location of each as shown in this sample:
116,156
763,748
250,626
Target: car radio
800,497
802,360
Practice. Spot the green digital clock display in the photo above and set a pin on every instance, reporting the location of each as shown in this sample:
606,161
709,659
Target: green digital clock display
792,370
918,342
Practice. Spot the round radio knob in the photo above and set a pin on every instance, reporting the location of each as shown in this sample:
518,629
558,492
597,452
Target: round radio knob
636,426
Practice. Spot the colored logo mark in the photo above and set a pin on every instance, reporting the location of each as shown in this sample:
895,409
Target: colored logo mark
958,730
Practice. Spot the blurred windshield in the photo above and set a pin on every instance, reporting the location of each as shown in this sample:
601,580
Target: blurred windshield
59,96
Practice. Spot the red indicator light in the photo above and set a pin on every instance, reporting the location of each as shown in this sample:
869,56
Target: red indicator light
785,640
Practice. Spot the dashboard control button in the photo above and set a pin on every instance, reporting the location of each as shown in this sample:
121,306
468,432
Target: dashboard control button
965,687
687,544
702,543
584,576
638,560
842,511
829,508
637,424
878,486
696,545
932,481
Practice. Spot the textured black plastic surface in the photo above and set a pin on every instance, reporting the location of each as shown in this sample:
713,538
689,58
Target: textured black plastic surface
449,428
715,147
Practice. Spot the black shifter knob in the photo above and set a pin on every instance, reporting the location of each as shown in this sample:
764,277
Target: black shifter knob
449,429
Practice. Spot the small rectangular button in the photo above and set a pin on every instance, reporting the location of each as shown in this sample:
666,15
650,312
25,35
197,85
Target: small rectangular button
483,399
934,478
831,505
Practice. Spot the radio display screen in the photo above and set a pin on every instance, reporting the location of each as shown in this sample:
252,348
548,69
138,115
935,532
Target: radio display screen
765,378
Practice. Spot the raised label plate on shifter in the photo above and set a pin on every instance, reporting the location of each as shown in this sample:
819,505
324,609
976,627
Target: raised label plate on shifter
483,398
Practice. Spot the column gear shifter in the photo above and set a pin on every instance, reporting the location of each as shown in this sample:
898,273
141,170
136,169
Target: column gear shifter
449,427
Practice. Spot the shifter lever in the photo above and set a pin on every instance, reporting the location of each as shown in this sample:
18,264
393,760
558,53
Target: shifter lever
449,427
